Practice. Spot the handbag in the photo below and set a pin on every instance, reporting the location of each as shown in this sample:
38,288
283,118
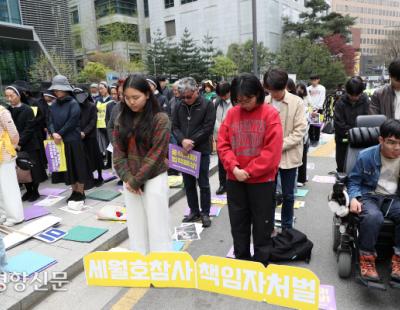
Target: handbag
23,176
329,127
23,168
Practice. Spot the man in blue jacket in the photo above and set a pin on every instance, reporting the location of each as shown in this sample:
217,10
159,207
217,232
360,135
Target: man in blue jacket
373,188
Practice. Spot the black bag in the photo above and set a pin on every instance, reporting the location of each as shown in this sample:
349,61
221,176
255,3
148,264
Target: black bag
290,245
328,127
23,161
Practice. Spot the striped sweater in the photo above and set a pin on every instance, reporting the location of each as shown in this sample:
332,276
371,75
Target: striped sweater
135,165
7,124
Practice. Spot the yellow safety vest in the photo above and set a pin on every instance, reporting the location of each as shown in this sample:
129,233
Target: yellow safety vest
101,113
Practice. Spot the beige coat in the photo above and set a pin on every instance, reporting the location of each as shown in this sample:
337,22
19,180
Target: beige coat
7,124
294,124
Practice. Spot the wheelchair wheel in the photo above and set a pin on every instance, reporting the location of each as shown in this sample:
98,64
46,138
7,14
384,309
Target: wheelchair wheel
344,264
335,234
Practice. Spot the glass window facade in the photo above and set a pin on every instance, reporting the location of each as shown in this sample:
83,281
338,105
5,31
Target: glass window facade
111,7
9,11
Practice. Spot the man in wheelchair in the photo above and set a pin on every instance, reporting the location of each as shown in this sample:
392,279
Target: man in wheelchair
373,188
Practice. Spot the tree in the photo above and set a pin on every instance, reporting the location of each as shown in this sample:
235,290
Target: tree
316,23
342,51
208,53
190,61
42,70
242,55
391,46
223,67
156,60
304,57
93,72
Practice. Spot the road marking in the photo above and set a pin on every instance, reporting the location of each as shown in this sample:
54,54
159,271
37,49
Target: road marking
130,299
325,150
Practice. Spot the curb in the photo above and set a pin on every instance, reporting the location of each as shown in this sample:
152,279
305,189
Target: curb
30,300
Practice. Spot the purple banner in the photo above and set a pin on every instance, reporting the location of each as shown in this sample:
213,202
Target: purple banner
189,163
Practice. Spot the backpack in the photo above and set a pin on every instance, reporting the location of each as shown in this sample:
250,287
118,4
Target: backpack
290,245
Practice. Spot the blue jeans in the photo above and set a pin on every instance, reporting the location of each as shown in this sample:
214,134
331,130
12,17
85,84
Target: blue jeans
373,211
204,184
288,184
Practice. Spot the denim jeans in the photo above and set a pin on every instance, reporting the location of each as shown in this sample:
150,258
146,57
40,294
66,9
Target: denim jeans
288,185
373,210
204,184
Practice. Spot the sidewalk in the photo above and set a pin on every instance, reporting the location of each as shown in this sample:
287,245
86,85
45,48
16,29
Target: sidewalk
69,254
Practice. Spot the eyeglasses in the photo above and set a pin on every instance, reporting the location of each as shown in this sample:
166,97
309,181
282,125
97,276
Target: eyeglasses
188,97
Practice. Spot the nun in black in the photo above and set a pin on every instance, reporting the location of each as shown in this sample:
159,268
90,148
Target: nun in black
88,133
29,142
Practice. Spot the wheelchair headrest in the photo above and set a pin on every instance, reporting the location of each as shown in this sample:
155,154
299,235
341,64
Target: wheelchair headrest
370,120
363,137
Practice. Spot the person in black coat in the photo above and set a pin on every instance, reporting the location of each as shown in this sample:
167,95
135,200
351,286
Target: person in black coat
156,89
352,104
64,126
88,123
29,142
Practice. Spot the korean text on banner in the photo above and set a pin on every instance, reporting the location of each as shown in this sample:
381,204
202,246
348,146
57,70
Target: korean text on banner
55,154
287,286
189,163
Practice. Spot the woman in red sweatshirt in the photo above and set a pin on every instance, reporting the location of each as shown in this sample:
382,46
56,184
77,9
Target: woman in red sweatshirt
250,145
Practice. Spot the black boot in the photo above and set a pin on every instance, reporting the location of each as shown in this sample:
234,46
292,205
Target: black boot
221,190
35,193
28,193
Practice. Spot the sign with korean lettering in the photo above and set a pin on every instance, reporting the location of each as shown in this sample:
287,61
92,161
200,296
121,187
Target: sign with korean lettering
55,154
187,163
287,286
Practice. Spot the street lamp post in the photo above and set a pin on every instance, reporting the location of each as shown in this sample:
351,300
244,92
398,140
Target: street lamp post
254,17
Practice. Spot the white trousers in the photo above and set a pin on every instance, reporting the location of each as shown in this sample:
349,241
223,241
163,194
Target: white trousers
10,195
148,217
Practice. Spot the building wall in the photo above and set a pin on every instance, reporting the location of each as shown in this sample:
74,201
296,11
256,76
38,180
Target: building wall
50,20
375,18
226,21
87,29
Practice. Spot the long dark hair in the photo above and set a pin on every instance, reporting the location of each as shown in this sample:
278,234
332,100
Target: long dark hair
143,130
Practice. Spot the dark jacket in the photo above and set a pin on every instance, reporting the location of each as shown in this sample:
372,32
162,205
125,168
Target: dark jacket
173,103
110,107
382,101
195,122
88,119
65,119
164,103
25,122
168,93
111,123
346,113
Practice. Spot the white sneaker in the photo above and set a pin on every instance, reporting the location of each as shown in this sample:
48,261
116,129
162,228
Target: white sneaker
9,223
300,184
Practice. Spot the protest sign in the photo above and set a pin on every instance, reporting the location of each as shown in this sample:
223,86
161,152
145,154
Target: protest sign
55,154
189,163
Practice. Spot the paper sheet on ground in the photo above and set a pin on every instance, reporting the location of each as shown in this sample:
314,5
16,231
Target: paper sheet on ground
219,199
214,211
29,262
301,192
48,191
324,179
187,233
49,201
297,204
34,212
84,233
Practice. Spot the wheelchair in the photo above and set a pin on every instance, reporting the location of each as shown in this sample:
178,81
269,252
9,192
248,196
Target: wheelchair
345,224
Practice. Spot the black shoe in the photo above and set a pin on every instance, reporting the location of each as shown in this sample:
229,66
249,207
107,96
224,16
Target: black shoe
72,197
98,182
221,190
205,219
34,197
192,217
26,196
79,197
120,183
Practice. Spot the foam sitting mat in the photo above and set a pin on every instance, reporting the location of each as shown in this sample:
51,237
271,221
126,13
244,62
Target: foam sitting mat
103,195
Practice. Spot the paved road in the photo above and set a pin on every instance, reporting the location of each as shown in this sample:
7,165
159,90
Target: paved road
314,220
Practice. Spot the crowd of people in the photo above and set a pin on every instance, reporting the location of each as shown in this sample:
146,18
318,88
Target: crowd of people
261,131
